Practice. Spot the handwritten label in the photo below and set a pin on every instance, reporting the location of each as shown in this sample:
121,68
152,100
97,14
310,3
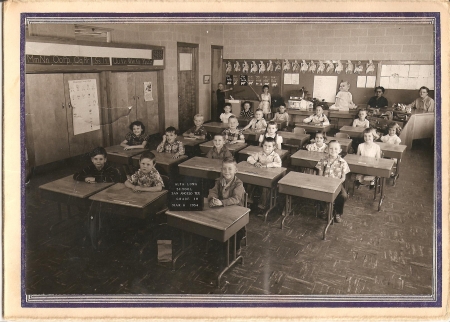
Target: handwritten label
131,61
184,196
58,60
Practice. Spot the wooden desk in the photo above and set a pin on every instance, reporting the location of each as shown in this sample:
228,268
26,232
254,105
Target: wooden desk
393,151
281,125
311,187
353,132
419,126
381,168
345,143
215,127
190,142
294,139
117,154
245,153
347,116
297,116
306,159
218,223
121,200
205,147
70,192
201,168
252,135
164,161
310,128
263,177
243,121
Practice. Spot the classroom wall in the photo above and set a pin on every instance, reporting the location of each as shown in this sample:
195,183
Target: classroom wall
329,41
166,35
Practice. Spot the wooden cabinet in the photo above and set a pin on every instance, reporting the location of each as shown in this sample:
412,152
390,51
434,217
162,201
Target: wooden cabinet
127,89
49,119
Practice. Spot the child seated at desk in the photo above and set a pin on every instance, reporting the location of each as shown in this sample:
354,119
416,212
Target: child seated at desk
225,116
319,144
170,144
362,120
267,158
334,166
100,170
227,191
318,118
246,111
233,134
197,131
271,132
147,178
392,138
136,139
258,123
368,149
219,150
282,115
344,99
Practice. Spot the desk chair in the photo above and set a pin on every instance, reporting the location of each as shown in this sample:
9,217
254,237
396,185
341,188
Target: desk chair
342,135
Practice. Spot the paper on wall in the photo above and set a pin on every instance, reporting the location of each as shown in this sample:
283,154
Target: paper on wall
370,82
386,70
84,101
325,88
148,91
395,70
361,81
384,82
414,70
287,78
295,79
185,61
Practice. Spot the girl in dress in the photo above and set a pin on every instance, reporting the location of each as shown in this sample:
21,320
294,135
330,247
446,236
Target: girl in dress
368,149
265,100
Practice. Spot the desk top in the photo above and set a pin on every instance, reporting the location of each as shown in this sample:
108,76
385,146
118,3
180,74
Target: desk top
368,162
348,128
71,187
232,147
220,218
119,194
341,141
164,158
255,149
266,173
118,150
343,114
216,125
314,128
309,155
311,182
391,147
292,135
187,141
203,164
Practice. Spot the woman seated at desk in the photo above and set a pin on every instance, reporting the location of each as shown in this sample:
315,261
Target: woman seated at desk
424,103
378,101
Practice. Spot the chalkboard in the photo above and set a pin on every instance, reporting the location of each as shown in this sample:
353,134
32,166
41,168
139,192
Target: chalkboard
247,84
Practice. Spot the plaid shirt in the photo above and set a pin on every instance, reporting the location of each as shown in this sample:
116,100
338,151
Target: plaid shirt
201,131
249,113
175,147
233,136
314,147
336,169
151,179
272,160
132,139
224,153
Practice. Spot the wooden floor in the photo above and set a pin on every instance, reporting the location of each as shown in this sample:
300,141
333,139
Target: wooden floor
370,252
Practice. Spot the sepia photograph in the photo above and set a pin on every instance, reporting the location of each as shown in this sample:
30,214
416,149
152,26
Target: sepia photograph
224,159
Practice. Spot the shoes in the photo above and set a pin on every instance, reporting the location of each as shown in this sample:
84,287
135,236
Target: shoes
338,218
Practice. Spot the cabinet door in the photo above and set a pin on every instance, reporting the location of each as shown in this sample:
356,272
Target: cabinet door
46,121
83,142
122,95
147,111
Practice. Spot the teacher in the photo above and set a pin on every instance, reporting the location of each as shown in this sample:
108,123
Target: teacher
378,101
424,102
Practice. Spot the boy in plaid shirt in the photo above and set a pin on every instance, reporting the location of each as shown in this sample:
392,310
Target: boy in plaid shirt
170,144
233,135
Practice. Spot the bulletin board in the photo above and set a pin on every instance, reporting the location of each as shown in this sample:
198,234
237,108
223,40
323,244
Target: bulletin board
245,84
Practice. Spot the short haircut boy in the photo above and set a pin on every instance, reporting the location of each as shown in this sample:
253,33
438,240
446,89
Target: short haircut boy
368,130
137,123
200,116
270,140
229,161
171,129
147,155
98,150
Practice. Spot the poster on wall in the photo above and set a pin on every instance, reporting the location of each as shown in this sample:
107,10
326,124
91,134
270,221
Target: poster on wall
229,80
243,80
84,101
274,81
266,80
235,79
251,80
148,91
325,88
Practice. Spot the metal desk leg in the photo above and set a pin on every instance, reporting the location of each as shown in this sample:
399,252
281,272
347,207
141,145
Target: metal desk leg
375,188
397,172
272,197
382,193
235,260
287,209
330,219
